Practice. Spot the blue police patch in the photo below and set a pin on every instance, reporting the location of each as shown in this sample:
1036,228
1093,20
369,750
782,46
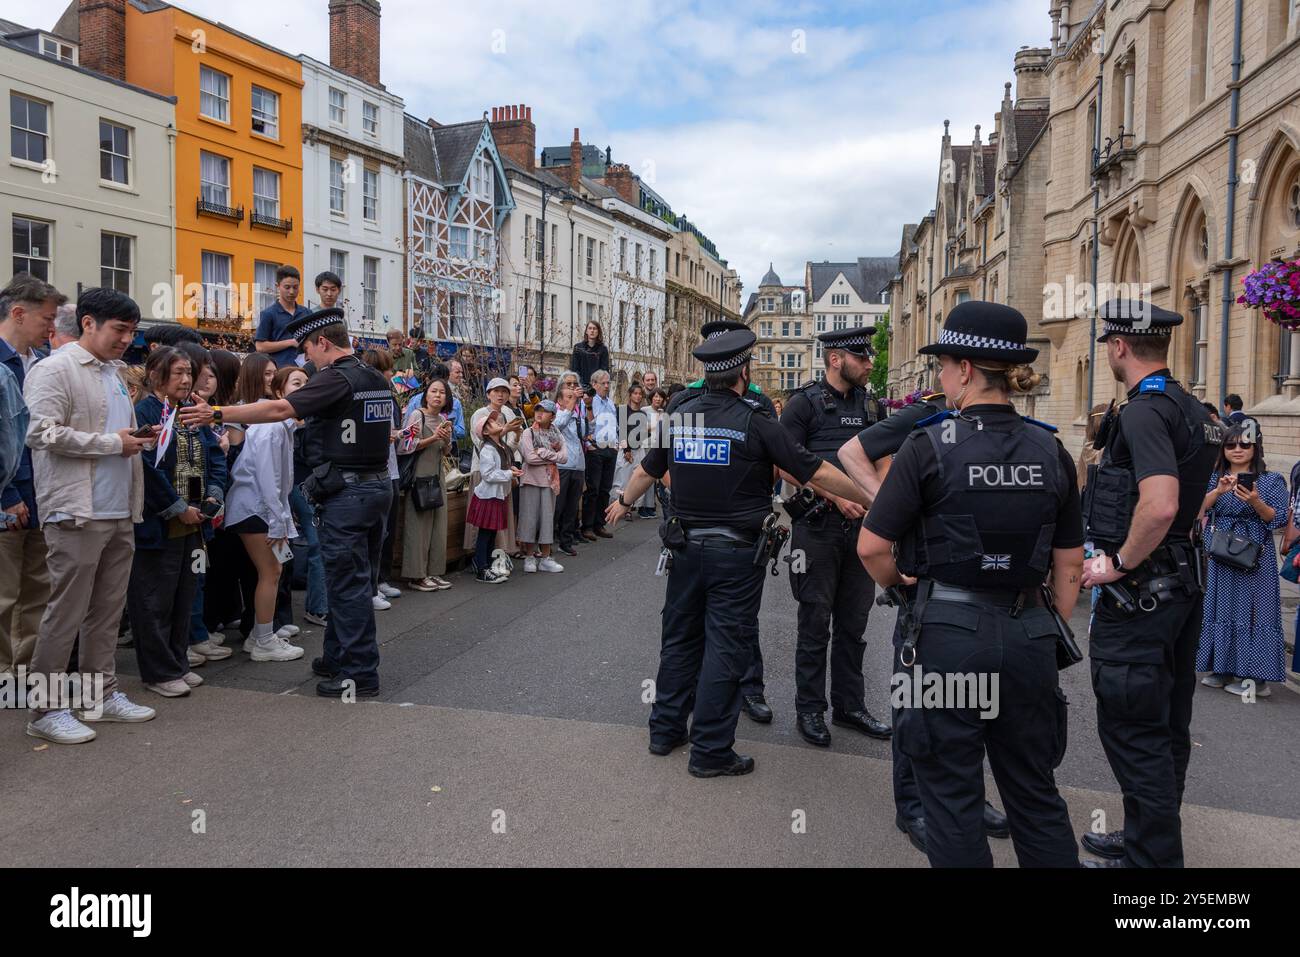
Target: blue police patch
937,417
1153,383
702,451
1041,425
379,410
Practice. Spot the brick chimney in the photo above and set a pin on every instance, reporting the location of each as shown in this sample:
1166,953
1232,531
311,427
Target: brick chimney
620,178
516,136
354,39
101,25
575,161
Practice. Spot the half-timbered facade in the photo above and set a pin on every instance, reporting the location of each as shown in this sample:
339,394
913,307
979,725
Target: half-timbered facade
457,197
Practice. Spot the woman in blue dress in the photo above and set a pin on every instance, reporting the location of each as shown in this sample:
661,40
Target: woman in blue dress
1242,632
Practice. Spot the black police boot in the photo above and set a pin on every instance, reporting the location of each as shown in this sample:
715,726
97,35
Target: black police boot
864,722
1087,863
338,686
1105,845
915,831
995,822
756,707
663,749
743,764
813,728
318,667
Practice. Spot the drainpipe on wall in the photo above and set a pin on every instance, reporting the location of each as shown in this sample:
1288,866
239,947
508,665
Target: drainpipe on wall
1096,208
178,288
1233,116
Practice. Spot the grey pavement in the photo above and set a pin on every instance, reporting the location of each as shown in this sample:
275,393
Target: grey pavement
511,730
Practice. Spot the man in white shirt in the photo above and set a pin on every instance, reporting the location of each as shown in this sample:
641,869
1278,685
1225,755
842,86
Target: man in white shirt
90,492
601,461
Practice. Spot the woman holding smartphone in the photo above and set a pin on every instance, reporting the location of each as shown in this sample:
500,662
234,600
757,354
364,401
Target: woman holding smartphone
1241,637
183,484
258,511
424,536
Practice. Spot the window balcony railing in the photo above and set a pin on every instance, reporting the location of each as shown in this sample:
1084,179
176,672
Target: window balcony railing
272,222
208,208
1115,150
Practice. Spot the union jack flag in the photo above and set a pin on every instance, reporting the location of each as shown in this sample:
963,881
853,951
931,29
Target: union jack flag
995,563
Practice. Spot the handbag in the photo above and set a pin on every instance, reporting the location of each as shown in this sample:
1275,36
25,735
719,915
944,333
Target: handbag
426,493
1235,551
406,463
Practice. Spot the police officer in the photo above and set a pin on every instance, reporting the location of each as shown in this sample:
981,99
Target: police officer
984,506
1158,452
753,700
711,330
348,410
865,458
830,584
720,469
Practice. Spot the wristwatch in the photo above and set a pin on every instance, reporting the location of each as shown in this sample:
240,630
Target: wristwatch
1117,561
216,415
623,503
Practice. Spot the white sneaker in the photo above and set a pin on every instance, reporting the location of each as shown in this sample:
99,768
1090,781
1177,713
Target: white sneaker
440,583
277,649
118,707
217,638
1260,689
1214,681
389,591
211,651
289,630
249,642
549,564
61,728
191,679
176,688
530,564
381,603
196,659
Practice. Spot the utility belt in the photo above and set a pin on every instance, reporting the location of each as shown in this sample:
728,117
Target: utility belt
720,535
806,506
328,480
911,603
1175,571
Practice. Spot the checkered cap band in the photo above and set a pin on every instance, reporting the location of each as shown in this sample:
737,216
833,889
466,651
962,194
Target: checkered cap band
714,335
722,365
1148,329
852,342
950,338
321,322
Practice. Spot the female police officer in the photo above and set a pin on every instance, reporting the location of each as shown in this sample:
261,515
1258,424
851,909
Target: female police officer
983,505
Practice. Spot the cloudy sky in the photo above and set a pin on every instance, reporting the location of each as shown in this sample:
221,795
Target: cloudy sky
786,130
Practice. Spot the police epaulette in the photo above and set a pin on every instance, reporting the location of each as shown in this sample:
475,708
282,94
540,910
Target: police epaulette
937,417
931,397
1041,425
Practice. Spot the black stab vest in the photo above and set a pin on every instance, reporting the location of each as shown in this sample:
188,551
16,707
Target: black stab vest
716,480
1003,487
356,438
836,419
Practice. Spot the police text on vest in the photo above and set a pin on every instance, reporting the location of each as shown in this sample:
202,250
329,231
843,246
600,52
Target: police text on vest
1005,475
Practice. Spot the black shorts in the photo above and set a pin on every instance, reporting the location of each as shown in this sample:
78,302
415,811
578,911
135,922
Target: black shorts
249,526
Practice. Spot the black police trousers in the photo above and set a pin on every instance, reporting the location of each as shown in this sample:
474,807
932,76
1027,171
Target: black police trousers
710,636
1144,677
997,692
351,525
835,594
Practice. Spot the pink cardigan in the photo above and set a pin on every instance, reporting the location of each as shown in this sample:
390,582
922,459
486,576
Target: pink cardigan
537,458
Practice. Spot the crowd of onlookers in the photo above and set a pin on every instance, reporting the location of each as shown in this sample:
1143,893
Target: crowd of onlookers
123,527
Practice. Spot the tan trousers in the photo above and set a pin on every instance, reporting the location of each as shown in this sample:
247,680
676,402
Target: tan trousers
24,592
90,567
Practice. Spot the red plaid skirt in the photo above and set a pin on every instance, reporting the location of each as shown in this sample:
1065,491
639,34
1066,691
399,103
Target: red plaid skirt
487,513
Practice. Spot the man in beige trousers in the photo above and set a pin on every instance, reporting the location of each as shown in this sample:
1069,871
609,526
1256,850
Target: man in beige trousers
90,492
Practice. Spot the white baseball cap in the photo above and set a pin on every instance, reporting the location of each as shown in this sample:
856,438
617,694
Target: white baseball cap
497,383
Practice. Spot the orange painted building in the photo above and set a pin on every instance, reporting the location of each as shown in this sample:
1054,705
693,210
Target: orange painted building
238,158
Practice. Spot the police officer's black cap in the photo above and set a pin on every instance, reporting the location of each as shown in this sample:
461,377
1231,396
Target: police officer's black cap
983,330
1132,317
856,341
301,328
717,327
727,351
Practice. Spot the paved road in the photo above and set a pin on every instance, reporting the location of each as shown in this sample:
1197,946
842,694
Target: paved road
520,706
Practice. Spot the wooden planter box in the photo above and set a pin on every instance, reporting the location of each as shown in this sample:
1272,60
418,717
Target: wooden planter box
457,505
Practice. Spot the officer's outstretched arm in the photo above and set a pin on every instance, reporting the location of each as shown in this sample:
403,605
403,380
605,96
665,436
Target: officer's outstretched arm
832,480
636,487
861,469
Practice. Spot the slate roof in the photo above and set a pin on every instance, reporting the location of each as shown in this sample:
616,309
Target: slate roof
770,278
455,146
1029,123
867,275
418,150
8,28
539,175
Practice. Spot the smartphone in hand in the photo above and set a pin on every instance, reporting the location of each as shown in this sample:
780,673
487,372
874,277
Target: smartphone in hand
1246,480
282,552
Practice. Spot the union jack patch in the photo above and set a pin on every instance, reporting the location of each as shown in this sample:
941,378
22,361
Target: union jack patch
995,563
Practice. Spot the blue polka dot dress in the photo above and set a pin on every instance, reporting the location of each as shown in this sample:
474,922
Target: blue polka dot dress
1242,630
